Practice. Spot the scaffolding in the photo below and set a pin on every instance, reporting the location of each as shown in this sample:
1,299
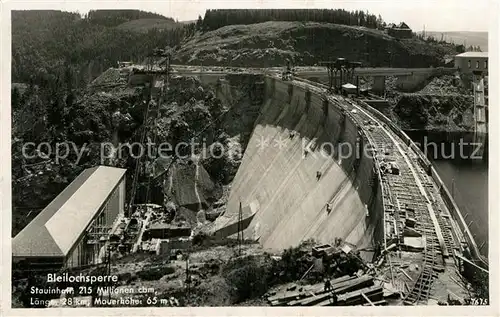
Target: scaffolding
159,80
480,122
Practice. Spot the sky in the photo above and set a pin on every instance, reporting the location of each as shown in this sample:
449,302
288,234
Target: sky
435,15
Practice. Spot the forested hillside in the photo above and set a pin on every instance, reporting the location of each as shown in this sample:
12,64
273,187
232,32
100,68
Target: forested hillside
54,55
215,19
117,17
47,43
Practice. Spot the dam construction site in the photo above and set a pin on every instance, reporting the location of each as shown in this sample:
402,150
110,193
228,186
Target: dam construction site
230,181
324,195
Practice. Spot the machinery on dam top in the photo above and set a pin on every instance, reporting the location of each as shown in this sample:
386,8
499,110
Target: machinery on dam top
288,73
340,72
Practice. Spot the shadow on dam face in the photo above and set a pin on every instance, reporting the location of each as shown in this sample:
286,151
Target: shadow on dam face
284,201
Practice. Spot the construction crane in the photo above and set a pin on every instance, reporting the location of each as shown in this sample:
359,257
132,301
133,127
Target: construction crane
164,74
165,64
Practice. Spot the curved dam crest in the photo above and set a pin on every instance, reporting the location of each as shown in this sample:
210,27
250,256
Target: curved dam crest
283,200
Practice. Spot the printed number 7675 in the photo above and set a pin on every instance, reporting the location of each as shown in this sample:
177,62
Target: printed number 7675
478,301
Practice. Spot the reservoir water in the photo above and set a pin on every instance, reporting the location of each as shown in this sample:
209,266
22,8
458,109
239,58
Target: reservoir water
468,182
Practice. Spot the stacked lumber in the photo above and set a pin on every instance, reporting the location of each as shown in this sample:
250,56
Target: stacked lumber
347,288
282,298
374,293
285,297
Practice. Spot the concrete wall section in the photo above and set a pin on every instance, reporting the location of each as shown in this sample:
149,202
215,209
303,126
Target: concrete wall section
277,173
469,64
410,83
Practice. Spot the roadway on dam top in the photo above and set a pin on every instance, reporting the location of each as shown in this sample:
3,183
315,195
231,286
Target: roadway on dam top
298,70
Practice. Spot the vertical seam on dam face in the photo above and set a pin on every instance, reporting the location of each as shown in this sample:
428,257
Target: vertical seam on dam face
325,112
282,177
290,93
308,100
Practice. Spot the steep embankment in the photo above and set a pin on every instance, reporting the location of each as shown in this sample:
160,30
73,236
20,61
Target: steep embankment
441,113
283,200
307,43
443,104
451,113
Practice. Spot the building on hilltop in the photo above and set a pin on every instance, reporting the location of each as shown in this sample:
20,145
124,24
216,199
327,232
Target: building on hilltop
390,26
73,228
402,30
470,62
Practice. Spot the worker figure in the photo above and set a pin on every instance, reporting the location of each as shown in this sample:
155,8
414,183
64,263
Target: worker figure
318,175
328,207
334,297
328,285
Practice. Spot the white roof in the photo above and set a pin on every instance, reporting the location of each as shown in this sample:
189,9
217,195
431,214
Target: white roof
348,86
473,54
75,215
55,229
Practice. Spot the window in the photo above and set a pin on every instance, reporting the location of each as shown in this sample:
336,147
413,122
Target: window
486,65
477,64
468,64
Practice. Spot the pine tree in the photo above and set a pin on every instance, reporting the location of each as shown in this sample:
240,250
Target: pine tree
199,23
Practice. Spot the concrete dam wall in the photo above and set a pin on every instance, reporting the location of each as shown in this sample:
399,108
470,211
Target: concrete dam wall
296,135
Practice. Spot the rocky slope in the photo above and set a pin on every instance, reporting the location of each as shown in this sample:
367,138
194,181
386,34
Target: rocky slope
307,43
443,105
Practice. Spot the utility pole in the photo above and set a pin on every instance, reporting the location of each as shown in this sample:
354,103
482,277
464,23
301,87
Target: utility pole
453,188
188,280
109,267
240,229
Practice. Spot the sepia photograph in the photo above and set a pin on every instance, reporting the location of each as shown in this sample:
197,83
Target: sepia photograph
202,154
